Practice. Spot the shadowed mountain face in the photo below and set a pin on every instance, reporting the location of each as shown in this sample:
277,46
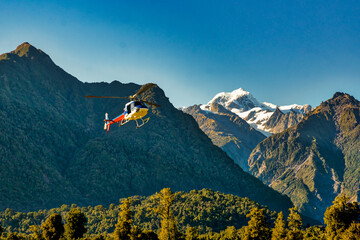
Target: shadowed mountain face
316,159
53,149
227,131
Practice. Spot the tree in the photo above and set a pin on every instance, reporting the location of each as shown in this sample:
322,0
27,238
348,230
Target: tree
124,225
294,224
14,236
99,237
230,233
258,228
314,233
1,230
53,227
75,224
339,216
352,233
136,233
164,200
191,233
36,234
149,235
279,231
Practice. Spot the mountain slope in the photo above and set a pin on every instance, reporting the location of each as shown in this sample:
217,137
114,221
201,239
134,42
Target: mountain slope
53,149
35,125
280,121
316,159
227,131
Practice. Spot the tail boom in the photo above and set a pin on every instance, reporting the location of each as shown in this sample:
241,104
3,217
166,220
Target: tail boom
108,122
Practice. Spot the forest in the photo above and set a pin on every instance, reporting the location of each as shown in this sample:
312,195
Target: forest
201,215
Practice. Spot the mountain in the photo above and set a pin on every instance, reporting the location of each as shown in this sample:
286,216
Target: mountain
259,115
315,160
227,131
53,149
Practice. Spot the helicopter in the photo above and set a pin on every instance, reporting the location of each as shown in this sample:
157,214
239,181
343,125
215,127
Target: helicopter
134,110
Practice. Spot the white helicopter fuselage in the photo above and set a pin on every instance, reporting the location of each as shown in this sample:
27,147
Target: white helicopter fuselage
135,110
136,113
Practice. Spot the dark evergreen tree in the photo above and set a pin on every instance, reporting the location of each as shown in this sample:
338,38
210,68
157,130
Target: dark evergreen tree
124,225
136,233
279,231
75,224
258,228
149,235
53,227
339,216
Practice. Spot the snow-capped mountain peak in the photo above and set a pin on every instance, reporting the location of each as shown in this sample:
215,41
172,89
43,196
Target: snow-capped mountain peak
239,99
246,106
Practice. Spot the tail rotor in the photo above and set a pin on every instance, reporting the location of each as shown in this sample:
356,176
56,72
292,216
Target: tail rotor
106,121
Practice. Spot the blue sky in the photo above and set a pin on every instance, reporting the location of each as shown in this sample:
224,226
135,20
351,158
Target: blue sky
283,52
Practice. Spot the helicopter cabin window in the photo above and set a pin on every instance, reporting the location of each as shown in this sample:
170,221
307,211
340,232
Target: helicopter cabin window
128,109
137,104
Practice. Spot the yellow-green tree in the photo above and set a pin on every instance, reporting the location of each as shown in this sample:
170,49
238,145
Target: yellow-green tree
14,236
339,216
191,233
124,225
279,231
98,237
230,233
75,224
258,228
294,224
52,228
352,233
313,233
36,233
164,200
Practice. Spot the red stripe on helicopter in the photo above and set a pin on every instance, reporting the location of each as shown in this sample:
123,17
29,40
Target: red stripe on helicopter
117,119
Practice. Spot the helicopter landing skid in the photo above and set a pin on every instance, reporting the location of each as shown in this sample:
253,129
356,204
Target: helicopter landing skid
122,122
144,121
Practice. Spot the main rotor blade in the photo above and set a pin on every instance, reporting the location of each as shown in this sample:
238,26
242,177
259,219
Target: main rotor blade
143,89
105,97
150,103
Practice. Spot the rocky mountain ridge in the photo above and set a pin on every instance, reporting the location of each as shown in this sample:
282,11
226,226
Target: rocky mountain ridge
315,160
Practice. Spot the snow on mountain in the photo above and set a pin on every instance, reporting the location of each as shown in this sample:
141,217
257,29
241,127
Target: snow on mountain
303,109
246,106
239,99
